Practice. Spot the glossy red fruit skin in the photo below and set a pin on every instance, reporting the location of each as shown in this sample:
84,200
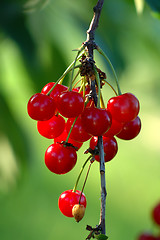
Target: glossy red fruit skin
96,121
156,214
124,108
60,159
51,128
70,104
41,107
130,129
59,88
68,199
115,128
63,137
146,236
110,147
78,133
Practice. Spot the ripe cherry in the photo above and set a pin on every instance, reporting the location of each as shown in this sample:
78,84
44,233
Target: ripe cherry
130,129
110,147
41,107
68,199
59,88
124,108
96,121
78,133
146,236
63,137
70,104
156,214
60,159
115,128
51,128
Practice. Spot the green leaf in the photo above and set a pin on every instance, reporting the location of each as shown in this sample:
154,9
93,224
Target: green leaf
139,4
101,237
154,5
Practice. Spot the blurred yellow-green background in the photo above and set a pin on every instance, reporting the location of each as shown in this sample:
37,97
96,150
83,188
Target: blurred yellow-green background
36,42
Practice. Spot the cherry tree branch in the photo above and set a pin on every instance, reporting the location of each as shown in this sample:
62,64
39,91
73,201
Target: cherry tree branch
103,186
91,45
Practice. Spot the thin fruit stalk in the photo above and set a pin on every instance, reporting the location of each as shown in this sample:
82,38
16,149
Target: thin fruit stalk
90,45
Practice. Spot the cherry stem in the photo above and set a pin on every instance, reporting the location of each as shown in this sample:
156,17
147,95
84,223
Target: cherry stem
76,82
62,77
102,102
110,86
84,87
74,63
76,77
80,173
85,182
112,68
71,129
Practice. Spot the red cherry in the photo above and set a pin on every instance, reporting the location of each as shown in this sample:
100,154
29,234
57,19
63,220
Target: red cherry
130,129
96,121
77,133
59,88
41,107
51,128
146,236
124,108
70,104
60,159
68,199
115,128
110,147
156,214
63,137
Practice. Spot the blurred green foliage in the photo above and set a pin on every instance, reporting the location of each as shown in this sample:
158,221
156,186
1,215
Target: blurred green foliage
36,42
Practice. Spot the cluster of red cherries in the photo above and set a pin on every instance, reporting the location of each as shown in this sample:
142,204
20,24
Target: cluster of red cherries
155,214
71,118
